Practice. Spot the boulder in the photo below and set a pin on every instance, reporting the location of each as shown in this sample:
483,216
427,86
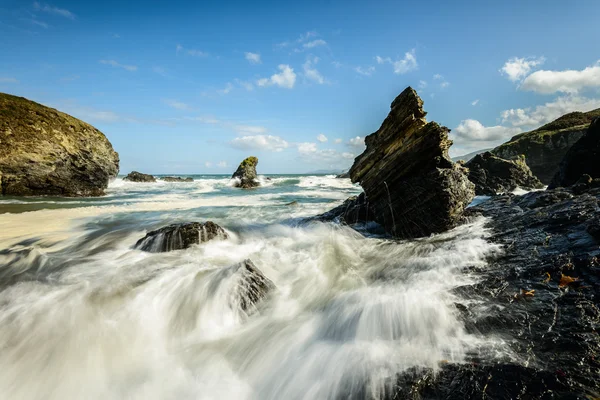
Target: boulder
176,179
352,211
583,158
245,176
412,186
46,152
494,175
180,236
251,286
545,147
135,176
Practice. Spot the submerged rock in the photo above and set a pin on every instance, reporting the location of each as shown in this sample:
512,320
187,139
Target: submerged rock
413,187
180,236
46,152
245,176
494,175
545,147
176,179
135,176
582,159
251,287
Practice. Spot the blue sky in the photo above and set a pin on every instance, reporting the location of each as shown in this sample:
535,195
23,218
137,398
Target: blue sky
194,87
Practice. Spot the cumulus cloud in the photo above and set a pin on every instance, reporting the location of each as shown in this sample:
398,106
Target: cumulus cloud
517,68
472,129
357,142
253,58
542,114
325,157
285,79
307,148
314,43
311,72
568,81
322,138
403,65
53,10
115,64
260,142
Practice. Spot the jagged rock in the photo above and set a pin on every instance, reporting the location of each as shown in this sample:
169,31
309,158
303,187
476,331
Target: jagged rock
545,147
46,152
176,179
494,175
581,159
352,211
343,175
245,176
251,287
135,176
180,236
413,187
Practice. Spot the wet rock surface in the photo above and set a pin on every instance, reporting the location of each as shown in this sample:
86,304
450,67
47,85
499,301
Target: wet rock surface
494,175
251,287
540,296
180,236
135,176
46,152
245,176
176,179
354,210
412,186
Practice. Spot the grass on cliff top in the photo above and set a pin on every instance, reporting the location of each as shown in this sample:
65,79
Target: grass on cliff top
571,121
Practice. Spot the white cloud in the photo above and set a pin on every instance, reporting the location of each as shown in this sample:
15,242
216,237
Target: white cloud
192,52
475,102
542,114
438,77
517,68
115,64
37,22
338,141
471,129
365,71
357,142
307,148
208,164
285,79
322,138
53,10
311,73
422,84
246,85
249,129
260,142
176,104
381,60
568,81
314,43
222,164
444,84
407,64
8,80
228,88
253,58
329,157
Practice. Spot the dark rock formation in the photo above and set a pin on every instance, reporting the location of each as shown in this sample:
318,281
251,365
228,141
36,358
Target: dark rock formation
46,152
469,156
545,147
494,175
245,175
251,287
352,211
180,236
343,175
135,176
176,179
582,158
412,186
550,250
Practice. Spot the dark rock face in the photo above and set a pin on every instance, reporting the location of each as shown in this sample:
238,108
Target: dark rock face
46,152
494,175
582,159
545,147
352,211
343,175
135,176
413,187
245,175
180,236
176,179
251,288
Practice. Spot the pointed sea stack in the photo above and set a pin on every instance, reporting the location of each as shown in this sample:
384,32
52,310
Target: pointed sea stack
245,176
411,185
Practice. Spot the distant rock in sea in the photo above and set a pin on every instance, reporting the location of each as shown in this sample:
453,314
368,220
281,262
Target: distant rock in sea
343,175
494,175
545,147
46,152
135,176
176,179
245,175
412,187
583,158
180,236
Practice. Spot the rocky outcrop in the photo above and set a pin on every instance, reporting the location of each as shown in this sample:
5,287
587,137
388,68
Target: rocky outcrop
251,286
46,152
343,175
245,176
180,236
176,179
583,158
135,176
354,210
412,186
545,147
494,175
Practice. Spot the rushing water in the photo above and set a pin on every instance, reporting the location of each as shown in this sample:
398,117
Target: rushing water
83,315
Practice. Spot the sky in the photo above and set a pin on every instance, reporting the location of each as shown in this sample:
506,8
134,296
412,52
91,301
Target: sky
194,87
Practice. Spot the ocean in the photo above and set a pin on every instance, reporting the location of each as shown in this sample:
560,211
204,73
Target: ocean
84,315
